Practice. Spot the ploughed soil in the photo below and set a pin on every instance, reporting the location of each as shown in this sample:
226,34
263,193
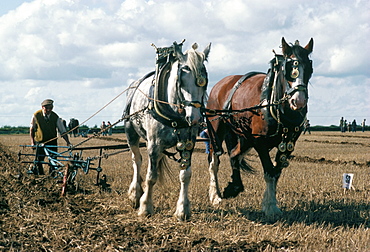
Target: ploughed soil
318,215
34,217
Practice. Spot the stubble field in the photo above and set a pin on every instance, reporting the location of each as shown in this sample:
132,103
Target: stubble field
318,215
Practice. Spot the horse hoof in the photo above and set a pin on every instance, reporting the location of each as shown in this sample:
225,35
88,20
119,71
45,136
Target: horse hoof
216,201
182,216
272,212
135,205
145,213
232,190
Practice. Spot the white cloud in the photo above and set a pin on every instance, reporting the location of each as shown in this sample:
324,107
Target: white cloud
83,51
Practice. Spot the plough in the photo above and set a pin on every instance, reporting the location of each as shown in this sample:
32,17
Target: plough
66,164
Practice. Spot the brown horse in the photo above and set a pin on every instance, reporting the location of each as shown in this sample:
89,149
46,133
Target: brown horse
260,111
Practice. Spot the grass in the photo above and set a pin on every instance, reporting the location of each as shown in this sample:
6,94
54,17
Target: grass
318,214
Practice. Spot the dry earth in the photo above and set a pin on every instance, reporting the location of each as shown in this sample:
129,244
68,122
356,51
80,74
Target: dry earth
318,214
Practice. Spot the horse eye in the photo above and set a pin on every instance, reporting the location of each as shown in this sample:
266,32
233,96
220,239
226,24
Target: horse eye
201,81
295,63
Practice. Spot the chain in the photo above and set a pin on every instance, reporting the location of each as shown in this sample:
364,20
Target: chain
106,155
228,112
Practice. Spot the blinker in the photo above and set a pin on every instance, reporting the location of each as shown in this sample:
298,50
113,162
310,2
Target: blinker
295,73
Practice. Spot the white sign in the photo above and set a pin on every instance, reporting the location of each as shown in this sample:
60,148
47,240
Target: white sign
347,180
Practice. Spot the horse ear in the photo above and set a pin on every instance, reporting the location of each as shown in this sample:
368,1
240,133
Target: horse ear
178,52
287,50
309,46
206,51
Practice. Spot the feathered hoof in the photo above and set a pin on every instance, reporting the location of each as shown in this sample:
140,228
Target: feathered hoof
182,216
216,201
134,195
145,213
272,212
232,190
135,202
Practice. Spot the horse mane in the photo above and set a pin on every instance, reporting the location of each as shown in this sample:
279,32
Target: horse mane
195,61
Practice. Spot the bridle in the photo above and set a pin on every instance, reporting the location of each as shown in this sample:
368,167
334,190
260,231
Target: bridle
163,112
291,73
201,81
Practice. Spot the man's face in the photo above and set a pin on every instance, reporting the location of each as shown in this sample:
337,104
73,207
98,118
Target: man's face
47,109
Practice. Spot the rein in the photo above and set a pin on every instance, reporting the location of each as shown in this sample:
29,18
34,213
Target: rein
289,134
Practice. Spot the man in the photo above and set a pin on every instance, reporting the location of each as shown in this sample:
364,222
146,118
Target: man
363,124
44,125
102,129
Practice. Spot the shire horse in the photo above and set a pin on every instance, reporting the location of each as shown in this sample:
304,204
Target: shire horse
268,111
164,108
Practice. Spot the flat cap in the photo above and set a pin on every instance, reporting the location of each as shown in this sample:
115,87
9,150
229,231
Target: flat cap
47,102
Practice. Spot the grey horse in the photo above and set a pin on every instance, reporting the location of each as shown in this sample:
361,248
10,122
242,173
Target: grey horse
164,108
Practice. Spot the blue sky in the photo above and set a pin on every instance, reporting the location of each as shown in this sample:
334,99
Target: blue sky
8,5
83,53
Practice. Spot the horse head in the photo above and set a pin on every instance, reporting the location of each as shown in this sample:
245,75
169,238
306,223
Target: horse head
297,69
191,81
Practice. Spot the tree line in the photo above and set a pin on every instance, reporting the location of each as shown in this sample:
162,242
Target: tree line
84,128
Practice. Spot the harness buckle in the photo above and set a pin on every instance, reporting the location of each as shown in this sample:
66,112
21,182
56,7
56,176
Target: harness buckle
211,112
196,104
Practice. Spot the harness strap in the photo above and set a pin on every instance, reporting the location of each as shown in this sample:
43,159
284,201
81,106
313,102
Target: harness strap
126,111
227,104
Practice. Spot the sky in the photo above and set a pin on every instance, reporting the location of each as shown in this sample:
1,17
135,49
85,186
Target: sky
83,54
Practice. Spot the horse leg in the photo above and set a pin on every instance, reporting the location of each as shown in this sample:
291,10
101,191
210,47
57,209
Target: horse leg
237,147
183,211
271,176
236,185
214,191
146,200
135,190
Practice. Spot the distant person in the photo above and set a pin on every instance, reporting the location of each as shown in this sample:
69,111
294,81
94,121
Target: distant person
204,134
109,125
341,125
349,127
73,127
307,127
345,125
102,128
354,125
43,129
363,124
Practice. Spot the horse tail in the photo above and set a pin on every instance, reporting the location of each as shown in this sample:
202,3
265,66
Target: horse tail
164,170
245,166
